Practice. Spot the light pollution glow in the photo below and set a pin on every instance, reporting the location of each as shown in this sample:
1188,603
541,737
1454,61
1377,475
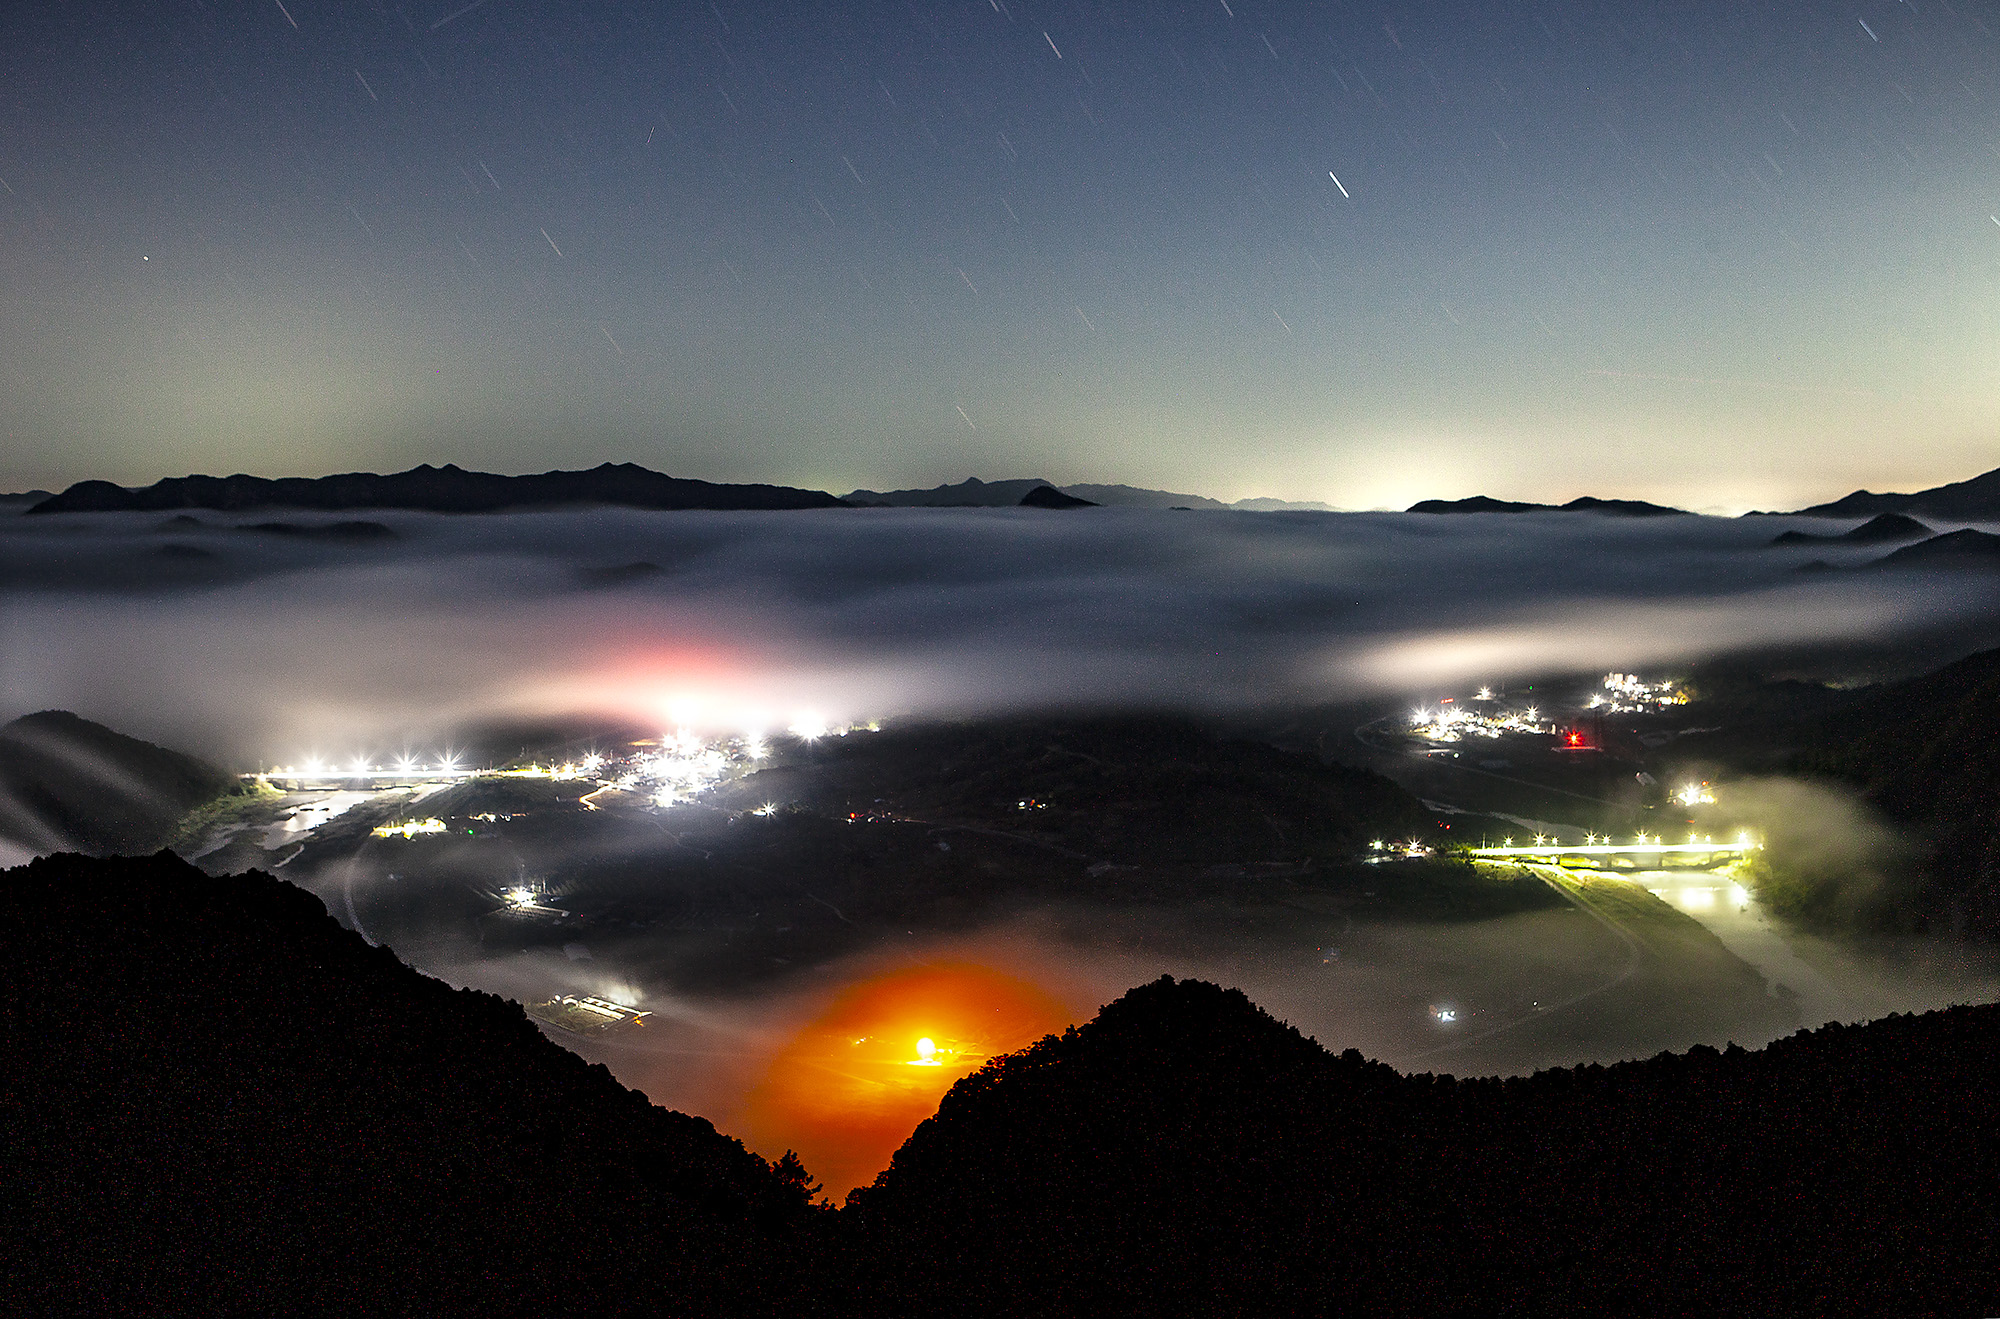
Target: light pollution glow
852,1084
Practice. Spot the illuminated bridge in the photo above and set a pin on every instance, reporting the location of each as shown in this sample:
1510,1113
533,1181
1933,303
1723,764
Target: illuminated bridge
1645,854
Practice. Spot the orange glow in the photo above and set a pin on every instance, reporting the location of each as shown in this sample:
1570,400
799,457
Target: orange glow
855,1082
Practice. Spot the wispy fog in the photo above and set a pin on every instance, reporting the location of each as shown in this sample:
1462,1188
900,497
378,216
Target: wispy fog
258,645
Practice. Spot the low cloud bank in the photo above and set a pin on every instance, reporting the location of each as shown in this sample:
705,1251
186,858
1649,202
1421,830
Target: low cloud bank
1826,853
255,647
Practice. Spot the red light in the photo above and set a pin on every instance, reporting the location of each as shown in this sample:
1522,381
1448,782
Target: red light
1574,738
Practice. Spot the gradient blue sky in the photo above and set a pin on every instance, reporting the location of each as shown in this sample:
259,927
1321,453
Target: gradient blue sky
1721,255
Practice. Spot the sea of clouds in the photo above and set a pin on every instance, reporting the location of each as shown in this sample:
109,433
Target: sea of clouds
252,646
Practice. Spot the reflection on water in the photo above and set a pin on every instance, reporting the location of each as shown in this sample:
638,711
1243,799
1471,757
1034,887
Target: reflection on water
1727,909
311,815
851,1085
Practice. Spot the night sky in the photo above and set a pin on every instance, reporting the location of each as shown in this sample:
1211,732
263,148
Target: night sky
1720,255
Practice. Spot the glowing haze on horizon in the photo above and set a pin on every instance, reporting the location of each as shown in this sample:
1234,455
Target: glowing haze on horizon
1717,257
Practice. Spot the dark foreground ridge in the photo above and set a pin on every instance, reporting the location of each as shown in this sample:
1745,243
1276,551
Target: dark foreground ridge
218,1100
446,489
1185,1153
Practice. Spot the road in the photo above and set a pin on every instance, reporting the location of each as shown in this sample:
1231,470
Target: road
1572,893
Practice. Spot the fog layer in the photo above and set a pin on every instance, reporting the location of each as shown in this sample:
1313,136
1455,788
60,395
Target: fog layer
244,642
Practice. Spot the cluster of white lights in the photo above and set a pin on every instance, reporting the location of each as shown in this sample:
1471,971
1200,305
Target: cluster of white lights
811,728
1643,840
528,899
1452,722
686,765
1628,693
410,828
682,767
1694,794
363,767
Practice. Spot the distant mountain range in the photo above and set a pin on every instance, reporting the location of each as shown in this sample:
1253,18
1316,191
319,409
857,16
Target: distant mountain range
1630,508
450,489
447,489
975,493
1976,500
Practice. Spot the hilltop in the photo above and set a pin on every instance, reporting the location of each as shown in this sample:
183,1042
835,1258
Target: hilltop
1882,529
69,784
1963,549
1184,1152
